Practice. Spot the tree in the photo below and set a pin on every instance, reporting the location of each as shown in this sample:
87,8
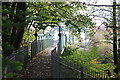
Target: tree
112,24
20,16
13,25
52,13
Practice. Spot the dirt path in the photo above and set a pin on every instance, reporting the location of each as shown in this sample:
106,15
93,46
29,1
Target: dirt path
40,65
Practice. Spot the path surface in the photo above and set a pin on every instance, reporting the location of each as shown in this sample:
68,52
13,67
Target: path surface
40,65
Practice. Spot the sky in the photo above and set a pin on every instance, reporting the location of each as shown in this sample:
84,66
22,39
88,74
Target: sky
105,2
98,2
102,2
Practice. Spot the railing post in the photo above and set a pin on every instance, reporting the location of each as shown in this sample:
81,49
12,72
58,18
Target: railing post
97,75
31,52
82,74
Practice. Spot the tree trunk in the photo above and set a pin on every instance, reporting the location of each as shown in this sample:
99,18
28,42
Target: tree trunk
12,34
20,19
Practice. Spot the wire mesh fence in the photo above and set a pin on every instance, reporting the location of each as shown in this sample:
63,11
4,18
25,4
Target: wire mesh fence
43,44
33,48
20,55
40,45
64,69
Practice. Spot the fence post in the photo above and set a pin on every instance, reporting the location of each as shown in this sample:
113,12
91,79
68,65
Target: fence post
82,74
96,75
66,40
26,60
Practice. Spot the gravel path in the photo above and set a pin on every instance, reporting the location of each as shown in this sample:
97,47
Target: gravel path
40,65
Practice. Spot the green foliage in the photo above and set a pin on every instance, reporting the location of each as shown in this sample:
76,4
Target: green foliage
13,25
15,66
42,16
88,59
69,51
12,75
52,13
28,36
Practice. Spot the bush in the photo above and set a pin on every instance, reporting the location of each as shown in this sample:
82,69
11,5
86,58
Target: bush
90,60
14,66
69,51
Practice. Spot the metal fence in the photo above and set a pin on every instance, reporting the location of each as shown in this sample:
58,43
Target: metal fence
24,54
43,44
40,45
64,69
33,48
62,43
20,55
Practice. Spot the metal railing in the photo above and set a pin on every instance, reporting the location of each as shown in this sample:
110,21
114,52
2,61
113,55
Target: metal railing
64,69
43,44
40,45
20,55
33,48
24,54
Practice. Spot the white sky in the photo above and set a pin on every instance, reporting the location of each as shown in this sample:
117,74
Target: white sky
99,2
104,2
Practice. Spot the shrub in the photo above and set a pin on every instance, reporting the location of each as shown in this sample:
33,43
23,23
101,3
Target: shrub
89,60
